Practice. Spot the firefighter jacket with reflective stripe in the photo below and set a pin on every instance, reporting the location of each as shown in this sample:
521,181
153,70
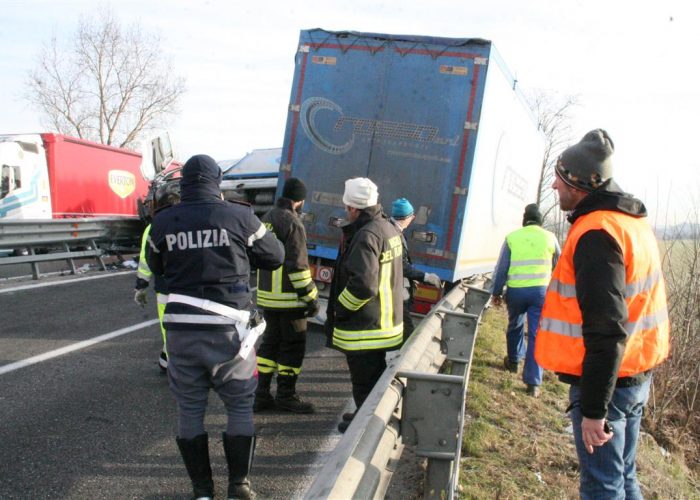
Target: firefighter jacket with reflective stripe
204,248
565,330
290,286
531,251
366,293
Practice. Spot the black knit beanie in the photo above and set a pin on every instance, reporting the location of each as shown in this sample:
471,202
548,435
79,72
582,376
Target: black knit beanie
587,164
532,215
294,189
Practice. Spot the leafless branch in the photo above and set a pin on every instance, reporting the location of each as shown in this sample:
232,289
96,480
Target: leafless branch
110,84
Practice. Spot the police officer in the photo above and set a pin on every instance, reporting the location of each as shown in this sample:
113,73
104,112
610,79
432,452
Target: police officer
166,195
204,247
402,215
287,296
365,307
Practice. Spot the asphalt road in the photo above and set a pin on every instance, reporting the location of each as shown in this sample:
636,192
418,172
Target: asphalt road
99,421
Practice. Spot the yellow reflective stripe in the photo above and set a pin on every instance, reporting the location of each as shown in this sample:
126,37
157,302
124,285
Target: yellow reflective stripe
368,339
359,334
288,370
277,296
300,279
386,304
277,280
280,304
266,365
349,301
300,275
301,283
310,296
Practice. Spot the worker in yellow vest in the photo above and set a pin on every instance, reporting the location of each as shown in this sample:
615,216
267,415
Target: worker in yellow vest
604,324
524,267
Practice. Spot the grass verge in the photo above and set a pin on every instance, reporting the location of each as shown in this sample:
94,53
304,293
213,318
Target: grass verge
516,446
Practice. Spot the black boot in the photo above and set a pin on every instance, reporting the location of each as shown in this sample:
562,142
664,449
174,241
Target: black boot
239,456
263,398
287,398
195,454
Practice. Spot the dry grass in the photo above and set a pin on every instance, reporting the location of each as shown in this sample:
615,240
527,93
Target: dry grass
516,446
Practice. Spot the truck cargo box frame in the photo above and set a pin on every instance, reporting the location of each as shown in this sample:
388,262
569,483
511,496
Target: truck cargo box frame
439,121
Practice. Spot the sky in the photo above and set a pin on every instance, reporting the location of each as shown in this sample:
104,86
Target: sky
628,62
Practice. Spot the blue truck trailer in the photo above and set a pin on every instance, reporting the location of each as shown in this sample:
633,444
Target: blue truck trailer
439,121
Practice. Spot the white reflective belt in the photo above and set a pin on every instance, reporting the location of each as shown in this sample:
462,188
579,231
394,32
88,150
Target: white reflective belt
208,305
247,336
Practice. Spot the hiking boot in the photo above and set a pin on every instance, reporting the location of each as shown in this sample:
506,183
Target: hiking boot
343,426
533,390
263,401
294,404
511,366
347,417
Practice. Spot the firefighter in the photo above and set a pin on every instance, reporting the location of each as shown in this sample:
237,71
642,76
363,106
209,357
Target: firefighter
365,307
204,247
166,195
287,296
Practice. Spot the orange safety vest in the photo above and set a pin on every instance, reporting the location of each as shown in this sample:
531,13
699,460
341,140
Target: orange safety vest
559,346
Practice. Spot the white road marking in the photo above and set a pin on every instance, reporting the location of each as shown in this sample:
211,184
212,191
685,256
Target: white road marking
74,347
63,282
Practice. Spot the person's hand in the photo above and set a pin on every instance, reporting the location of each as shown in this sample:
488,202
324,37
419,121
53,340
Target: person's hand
312,309
433,279
593,431
140,297
496,300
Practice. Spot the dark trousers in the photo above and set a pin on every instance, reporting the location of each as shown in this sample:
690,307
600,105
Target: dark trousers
200,360
365,369
408,325
284,340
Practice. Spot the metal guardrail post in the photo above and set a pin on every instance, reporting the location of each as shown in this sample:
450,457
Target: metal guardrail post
475,300
357,468
458,332
431,420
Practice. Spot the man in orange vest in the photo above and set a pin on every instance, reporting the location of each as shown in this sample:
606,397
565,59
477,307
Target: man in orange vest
604,323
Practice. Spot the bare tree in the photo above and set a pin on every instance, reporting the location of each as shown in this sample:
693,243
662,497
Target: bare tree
109,85
554,114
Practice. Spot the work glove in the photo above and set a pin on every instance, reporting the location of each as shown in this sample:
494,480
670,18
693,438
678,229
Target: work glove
312,309
433,279
140,297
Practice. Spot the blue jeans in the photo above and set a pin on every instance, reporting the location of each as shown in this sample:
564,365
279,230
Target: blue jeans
521,303
610,471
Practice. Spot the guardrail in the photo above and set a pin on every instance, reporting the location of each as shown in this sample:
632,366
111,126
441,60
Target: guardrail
56,239
412,404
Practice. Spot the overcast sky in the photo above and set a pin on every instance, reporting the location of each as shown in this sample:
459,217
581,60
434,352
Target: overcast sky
628,61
